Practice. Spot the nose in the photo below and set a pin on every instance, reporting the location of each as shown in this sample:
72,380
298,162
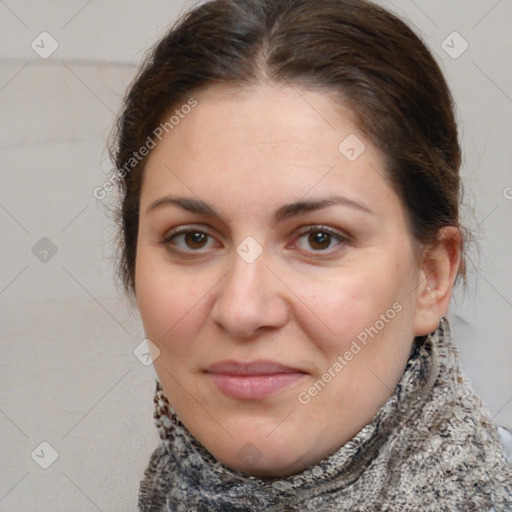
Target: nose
250,298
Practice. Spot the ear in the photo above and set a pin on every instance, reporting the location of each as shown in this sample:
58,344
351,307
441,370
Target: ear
436,280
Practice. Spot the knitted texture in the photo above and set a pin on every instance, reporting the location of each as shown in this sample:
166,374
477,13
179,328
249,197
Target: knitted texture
431,447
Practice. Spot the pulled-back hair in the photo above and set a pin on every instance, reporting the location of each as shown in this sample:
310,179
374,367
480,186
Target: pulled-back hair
360,53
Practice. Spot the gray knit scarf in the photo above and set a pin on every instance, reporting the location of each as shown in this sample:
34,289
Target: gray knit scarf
430,447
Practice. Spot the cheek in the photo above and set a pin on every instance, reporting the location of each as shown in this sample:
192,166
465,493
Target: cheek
169,302
367,311
352,302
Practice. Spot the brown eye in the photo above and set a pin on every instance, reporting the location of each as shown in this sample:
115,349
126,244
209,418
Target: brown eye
186,240
320,239
195,239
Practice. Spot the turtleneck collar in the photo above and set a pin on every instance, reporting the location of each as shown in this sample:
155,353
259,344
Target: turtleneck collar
198,468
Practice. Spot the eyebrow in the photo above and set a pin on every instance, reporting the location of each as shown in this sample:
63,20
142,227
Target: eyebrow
284,212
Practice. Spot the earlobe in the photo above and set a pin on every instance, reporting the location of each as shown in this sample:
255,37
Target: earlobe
436,280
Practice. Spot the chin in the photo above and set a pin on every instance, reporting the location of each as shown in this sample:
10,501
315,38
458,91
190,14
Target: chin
275,467
262,457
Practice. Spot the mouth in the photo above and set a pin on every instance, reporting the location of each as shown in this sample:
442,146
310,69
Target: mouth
252,380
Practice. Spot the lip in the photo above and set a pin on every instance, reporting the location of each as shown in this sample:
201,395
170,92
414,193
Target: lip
254,379
256,367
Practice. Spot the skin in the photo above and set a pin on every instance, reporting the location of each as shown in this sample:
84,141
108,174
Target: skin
301,302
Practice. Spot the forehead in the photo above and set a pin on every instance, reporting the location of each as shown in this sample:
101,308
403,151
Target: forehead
266,141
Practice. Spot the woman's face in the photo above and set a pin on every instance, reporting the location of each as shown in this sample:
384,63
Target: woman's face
243,281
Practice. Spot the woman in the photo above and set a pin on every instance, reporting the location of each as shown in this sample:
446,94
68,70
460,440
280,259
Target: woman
290,224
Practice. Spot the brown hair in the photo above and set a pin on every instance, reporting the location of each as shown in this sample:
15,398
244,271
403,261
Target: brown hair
365,55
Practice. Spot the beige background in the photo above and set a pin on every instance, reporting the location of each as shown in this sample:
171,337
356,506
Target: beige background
67,370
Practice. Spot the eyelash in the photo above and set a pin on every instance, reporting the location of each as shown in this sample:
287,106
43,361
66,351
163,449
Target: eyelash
169,237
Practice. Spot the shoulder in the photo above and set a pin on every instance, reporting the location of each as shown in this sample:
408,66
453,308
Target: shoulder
459,459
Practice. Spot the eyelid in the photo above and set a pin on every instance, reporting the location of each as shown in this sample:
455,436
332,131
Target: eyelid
166,238
326,229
